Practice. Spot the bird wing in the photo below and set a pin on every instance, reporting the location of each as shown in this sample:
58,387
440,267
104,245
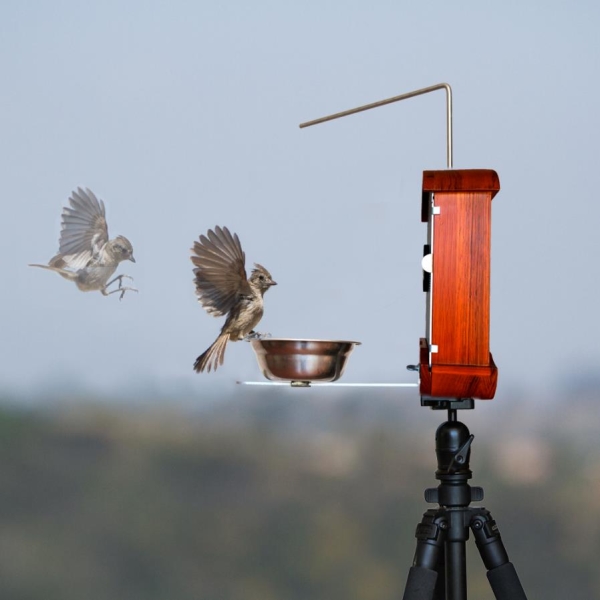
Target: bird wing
220,274
83,230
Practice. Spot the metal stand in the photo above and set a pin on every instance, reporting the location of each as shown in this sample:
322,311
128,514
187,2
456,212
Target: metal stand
439,567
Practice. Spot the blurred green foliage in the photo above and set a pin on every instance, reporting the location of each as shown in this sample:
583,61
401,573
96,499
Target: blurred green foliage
259,499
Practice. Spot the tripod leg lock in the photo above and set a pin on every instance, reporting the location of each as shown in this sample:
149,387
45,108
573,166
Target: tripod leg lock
431,535
488,540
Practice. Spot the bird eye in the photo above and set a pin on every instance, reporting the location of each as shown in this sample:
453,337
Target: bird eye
261,277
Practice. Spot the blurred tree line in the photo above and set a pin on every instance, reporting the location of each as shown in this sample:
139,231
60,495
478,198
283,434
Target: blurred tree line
273,498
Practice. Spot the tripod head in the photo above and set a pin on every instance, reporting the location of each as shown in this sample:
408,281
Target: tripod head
453,450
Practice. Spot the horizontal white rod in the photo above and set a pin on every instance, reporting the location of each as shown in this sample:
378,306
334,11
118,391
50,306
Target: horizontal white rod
333,384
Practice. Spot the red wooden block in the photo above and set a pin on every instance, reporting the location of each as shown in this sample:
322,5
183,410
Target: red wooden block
456,361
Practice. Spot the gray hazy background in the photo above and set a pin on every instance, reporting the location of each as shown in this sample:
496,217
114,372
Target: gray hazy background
184,115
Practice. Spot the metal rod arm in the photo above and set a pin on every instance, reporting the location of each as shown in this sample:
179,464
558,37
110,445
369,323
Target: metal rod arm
432,88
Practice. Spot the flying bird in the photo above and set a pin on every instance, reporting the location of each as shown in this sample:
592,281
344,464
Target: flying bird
86,255
223,288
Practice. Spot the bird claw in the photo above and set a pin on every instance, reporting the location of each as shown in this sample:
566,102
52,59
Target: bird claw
256,335
123,290
119,278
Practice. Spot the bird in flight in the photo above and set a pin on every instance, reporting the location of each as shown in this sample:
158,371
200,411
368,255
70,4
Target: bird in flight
86,255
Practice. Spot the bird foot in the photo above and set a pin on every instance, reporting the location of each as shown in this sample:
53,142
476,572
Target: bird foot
125,289
121,287
256,335
119,278
121,290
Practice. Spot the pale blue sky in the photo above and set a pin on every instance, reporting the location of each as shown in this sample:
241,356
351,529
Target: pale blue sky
184,115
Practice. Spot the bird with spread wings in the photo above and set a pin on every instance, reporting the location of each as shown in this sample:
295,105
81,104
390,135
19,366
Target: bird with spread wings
223,289
86,255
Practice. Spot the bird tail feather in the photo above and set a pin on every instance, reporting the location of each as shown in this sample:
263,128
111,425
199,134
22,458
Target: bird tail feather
70,275
213,357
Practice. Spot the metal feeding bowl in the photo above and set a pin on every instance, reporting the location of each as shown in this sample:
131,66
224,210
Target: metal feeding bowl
302,361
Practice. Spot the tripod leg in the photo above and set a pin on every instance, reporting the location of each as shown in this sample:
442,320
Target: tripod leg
457,533
501,572
423,582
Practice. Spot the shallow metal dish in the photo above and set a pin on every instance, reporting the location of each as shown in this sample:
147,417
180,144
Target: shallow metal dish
282,359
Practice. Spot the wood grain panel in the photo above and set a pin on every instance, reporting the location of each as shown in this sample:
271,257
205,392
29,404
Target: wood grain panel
461,279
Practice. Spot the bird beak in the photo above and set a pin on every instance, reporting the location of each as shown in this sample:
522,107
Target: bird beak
273,283
132,259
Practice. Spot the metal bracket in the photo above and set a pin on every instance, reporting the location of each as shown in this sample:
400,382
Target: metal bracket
435,210
432,88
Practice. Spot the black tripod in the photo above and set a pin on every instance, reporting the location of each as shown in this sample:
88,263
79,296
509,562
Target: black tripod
439,567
